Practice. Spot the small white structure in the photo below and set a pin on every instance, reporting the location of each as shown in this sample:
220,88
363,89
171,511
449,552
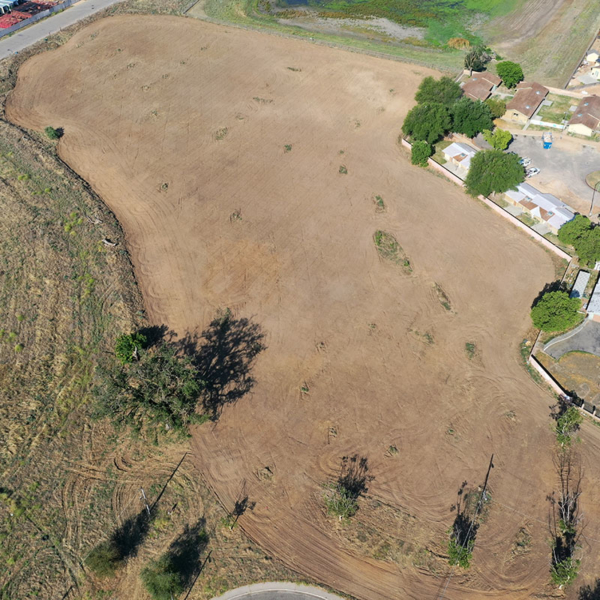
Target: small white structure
460,155
593,307
545,207
580,284
592,57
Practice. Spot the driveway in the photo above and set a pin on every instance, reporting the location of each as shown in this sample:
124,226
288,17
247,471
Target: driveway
585,338
563,170
23,38
278,591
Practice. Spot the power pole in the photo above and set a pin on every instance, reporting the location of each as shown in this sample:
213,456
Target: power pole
482,499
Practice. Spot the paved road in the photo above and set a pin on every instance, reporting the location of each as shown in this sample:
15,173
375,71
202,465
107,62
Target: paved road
585,338
278,591
54,23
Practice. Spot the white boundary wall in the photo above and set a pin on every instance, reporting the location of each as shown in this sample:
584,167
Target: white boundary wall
534,234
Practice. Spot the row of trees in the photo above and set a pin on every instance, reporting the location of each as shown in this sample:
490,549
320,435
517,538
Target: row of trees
442,108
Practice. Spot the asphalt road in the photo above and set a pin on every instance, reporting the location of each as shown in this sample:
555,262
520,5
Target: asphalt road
278,591
559,164
585,338
38,31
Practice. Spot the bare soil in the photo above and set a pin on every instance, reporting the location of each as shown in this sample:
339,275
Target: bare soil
184,128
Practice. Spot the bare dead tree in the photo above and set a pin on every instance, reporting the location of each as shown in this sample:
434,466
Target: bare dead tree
566,519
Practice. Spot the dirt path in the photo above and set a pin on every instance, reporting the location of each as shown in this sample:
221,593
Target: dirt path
182,128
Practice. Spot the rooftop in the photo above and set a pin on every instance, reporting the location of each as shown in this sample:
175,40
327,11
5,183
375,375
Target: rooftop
580,284
594,303
587,113
528,98
480,85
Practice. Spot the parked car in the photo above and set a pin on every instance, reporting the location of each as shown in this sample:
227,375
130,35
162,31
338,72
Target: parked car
525,161
532,172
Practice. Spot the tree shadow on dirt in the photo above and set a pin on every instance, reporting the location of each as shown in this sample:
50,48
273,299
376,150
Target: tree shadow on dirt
128,538
354,475
465,524
554,286
224,355
589,592
155,334
185,552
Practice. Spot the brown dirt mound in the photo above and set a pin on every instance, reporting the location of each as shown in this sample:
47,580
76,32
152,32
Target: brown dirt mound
220,151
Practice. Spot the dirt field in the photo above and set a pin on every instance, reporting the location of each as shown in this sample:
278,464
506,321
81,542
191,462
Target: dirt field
547,37
244,168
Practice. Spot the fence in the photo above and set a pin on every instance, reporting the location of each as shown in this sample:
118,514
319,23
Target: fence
38,17
534,234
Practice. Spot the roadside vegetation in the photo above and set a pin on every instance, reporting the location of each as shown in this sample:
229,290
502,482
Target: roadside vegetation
584,237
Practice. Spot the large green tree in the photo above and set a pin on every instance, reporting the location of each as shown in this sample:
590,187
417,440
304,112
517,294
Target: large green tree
570,232
556,312
158,392
471,118
510,72
580,233
443,91
427,122
493,171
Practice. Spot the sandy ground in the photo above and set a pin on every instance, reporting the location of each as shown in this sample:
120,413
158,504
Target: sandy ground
179,124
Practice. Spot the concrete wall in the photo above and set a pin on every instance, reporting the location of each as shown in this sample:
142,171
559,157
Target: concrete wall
580,129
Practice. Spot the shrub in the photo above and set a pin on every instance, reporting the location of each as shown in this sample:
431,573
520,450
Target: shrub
498,139
460,555
493,171
128,346
556,312
510,72
564,572
458,43
53,134
161,579
477,58
104,560
340,501
441,91
497,107
421,151
471,118
427,122
566,425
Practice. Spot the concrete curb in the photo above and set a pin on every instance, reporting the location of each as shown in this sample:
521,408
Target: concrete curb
278,586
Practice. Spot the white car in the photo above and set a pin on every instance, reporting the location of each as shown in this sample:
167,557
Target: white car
525,162
532,172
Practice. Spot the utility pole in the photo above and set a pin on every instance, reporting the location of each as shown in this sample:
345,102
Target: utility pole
479,505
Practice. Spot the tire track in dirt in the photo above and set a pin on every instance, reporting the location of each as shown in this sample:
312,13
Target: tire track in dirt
301,263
